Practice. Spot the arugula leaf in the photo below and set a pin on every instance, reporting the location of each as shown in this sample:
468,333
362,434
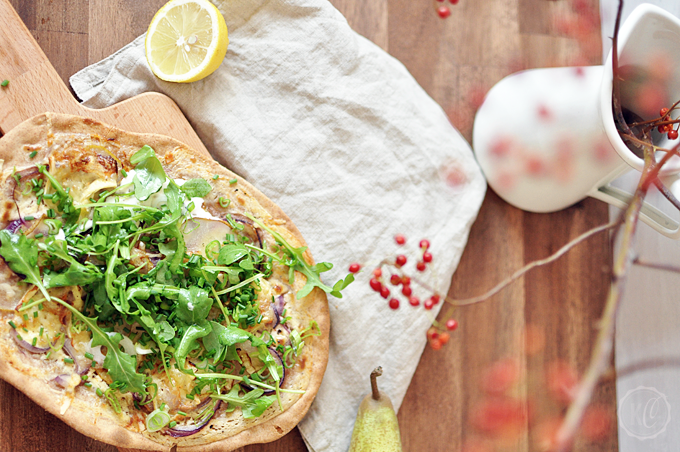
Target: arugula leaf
145,152
164,331
252,403
231,253
21,256
257,407
299,263
189,343
175,199
77,274
174,249
193,305
149,173
102,304
121,367
196,188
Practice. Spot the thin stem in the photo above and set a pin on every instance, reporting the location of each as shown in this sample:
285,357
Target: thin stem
519,273
656,266
375,393
667,193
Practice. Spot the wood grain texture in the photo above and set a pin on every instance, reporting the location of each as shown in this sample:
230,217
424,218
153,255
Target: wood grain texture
454,60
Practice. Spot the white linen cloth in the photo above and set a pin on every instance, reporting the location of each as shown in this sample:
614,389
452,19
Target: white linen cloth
337,133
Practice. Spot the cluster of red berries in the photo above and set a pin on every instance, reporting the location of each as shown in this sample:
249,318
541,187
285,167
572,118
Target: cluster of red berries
437,339
401,283
667,128
444,11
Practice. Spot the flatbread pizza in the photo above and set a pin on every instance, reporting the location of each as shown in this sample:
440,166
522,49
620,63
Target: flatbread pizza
149,297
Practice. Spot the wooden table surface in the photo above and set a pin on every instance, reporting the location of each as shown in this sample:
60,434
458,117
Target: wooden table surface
453,60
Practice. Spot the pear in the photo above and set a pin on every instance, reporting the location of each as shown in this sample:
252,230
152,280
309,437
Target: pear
376,428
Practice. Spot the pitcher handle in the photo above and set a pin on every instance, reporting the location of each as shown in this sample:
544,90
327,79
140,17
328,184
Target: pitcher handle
651,215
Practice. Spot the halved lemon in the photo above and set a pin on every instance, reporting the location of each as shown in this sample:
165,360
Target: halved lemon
186,41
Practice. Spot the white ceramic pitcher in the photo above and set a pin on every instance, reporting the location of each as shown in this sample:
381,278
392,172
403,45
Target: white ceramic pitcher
546,138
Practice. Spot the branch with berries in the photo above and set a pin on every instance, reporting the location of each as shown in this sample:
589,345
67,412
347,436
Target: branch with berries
503,412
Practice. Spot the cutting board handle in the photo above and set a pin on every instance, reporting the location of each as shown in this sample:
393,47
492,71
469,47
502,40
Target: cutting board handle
34,85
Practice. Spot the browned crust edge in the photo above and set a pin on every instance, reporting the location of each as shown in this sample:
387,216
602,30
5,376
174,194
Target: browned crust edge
33,131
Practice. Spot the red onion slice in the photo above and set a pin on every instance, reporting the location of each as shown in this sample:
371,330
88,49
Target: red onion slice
14,186
14,226
278,358
26,346
62,380
180,431
71,352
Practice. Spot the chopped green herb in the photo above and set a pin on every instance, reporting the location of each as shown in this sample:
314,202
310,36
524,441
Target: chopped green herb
4,83
32,154
68,360
216,176
233,181
224,202
11,323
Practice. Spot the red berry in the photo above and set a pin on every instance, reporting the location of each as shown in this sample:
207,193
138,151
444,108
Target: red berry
377,272
501,376
435,298
663,112
406,290
405,280
673,134
428,304
400,239
425,244
384,292
400,260
427,257
443,12
395,280
354,268
394,303
661,129
444,338
420,266
453,2
414,301
375,284
451,324
432,334
436,344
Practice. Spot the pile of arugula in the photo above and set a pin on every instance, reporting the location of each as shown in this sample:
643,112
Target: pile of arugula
189,308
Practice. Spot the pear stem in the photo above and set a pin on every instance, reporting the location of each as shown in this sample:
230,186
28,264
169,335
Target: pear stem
374,383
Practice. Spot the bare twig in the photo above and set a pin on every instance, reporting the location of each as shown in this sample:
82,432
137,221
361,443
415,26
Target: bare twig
656,265
667,193
520,272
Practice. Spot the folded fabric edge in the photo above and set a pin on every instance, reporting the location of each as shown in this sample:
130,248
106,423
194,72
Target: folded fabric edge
86,83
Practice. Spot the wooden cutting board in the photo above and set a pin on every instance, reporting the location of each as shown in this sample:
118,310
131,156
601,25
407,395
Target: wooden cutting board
34,88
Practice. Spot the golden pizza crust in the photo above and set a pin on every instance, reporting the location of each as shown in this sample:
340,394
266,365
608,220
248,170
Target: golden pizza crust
49,134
